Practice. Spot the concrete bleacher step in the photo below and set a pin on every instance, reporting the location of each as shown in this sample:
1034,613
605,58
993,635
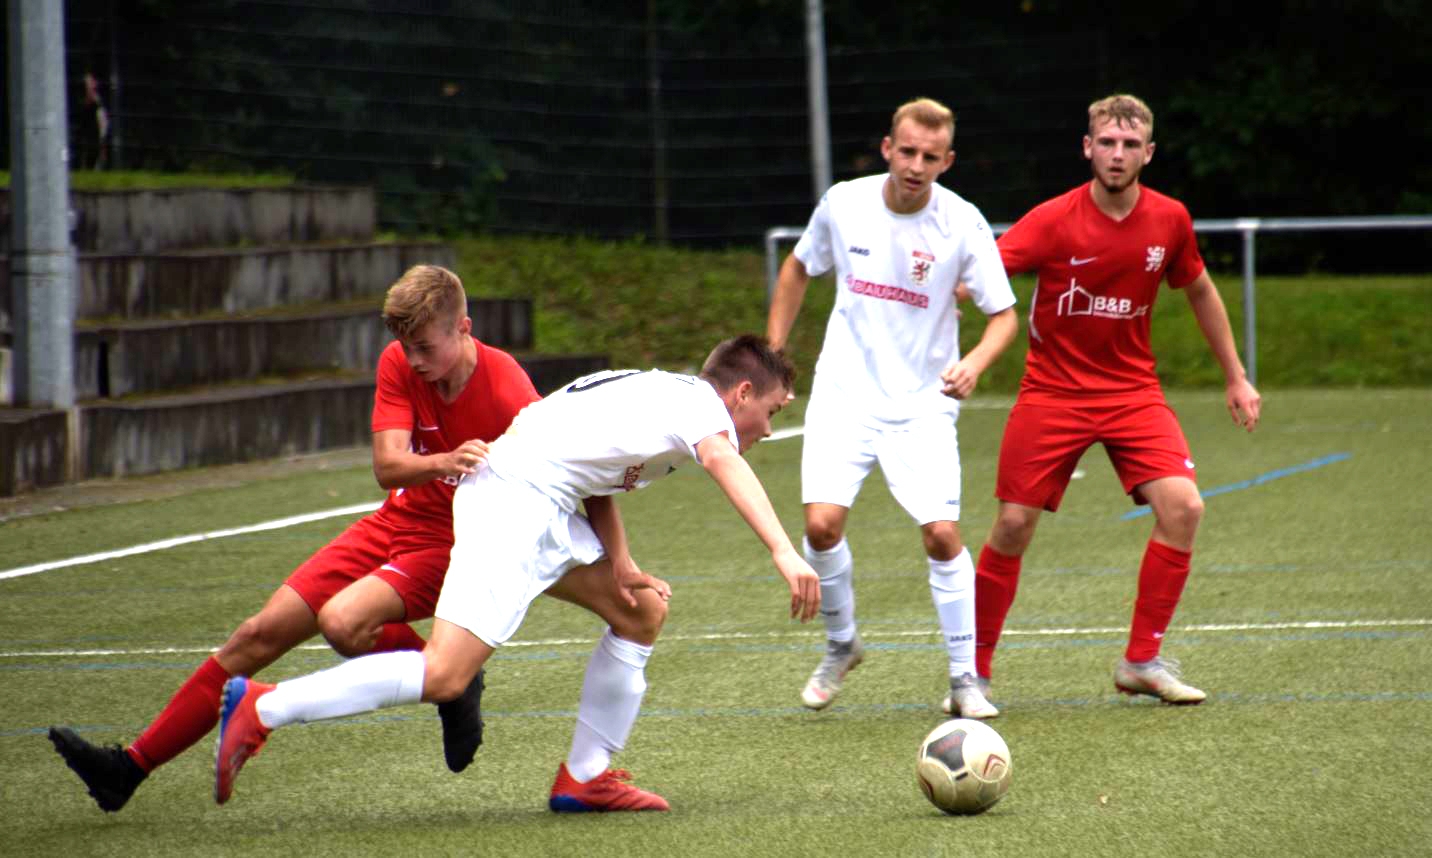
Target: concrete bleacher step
220,425
150,221
149,356
235,280
213,425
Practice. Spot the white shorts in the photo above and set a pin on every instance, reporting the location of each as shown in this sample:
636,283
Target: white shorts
511,542
920,459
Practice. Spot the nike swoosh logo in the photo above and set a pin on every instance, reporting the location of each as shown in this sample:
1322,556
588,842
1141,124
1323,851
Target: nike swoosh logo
1074,260
423,428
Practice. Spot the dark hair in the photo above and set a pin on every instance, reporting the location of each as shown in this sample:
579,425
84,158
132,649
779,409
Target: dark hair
748,358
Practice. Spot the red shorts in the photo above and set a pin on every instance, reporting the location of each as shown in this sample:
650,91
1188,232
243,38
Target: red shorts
1042,444
411,565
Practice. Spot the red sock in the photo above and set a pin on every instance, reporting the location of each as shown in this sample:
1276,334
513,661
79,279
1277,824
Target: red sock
1161,579
398,636
191,713
996,579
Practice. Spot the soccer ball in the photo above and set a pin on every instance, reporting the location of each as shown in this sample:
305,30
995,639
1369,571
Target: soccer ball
963,767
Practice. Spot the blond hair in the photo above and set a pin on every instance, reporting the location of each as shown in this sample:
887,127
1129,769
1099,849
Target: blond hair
927,112
1124,109
423,294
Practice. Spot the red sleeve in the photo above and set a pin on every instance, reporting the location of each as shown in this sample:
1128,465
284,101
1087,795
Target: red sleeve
512,390
392,402
1022,245
1187,263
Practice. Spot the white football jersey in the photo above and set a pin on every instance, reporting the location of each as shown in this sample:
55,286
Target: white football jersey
608,432
893,328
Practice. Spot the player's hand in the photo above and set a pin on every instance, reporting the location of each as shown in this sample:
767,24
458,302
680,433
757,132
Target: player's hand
1244,404
466,459
628,579
959,380
804,583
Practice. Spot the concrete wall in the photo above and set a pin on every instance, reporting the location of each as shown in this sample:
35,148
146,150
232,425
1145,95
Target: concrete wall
32,449
159,220
153,356
219,426
235,281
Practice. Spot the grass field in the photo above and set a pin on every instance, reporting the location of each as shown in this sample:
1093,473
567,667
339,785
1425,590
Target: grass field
1307,618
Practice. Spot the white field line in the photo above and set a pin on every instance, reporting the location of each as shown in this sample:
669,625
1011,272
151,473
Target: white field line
1071,631
185,540
100,557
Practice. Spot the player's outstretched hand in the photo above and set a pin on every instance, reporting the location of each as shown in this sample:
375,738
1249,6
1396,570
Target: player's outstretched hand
804,583
1244,404
466,459
629,579
959,380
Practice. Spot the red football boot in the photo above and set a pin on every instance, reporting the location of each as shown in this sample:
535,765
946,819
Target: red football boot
241,734
607,791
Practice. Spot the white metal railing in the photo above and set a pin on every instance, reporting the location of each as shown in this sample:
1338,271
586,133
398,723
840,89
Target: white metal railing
1247,226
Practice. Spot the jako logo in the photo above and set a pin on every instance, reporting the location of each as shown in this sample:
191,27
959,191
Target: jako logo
859,251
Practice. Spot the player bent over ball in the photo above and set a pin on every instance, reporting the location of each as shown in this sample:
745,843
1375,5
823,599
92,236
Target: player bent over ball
518,532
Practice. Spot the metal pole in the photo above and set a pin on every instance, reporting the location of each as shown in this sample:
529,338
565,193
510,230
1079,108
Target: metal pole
42,261
660,183
816,90
1250,304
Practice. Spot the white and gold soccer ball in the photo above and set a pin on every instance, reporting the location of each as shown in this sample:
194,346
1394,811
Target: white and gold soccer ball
963,767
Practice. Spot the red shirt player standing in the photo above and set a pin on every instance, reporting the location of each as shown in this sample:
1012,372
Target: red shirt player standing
441,395
1101,251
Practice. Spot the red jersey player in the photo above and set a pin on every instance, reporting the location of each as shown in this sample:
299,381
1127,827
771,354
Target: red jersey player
1101,251
441,395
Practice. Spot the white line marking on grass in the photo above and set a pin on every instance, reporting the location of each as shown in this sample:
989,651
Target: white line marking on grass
726,636
185,540
162,544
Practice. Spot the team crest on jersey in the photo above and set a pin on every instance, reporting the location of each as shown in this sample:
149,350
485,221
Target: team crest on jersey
920,268
1155,258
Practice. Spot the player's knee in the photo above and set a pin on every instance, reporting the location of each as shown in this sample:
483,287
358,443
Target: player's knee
643,623
1182,517
443,680
349,636
1013,530
256,639
942,540
823,534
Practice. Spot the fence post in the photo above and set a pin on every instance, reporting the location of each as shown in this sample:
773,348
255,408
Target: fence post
1249,226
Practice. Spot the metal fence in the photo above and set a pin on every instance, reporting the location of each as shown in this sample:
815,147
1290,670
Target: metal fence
1248,227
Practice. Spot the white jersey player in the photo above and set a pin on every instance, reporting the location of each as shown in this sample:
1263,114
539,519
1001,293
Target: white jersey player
890,375
517,532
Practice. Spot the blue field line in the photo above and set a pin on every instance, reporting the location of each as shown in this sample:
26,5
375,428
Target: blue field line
1256,481
1015,702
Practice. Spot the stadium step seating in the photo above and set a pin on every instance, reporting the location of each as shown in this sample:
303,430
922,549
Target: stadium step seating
227,326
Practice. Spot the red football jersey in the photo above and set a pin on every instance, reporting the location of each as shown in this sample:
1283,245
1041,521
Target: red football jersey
1098,278
497,390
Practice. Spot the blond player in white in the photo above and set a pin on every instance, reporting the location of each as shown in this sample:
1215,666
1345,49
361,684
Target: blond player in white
889,377
518,531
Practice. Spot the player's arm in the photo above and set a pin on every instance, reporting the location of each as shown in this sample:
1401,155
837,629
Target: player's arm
396,466
1244,402
960,378
607,522
723,462
786,302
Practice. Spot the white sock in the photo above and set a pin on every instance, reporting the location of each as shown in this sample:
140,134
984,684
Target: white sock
611,699
952,586
360,685
835,567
